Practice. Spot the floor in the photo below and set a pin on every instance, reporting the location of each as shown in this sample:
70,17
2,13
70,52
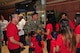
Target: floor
5,49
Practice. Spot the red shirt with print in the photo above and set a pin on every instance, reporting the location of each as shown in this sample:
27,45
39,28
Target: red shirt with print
12,31
50,27
62,45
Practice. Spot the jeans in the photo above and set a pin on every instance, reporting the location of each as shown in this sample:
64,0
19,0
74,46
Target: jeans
22,39
78,50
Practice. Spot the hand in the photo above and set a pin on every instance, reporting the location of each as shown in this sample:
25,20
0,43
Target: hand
21,44
43,32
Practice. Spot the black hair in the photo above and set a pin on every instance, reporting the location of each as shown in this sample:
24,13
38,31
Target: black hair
63,13
39,39
34,13
32,33
77,19
52,20
1,15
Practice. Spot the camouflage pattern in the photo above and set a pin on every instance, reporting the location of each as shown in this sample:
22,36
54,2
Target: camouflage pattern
32,26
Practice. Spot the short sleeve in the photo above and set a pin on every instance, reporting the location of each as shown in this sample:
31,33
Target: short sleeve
59,40
77,30
49,26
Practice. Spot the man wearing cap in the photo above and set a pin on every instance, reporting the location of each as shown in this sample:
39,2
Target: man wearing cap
20,26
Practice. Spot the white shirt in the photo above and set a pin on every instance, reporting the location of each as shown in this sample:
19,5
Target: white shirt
3,24
21,26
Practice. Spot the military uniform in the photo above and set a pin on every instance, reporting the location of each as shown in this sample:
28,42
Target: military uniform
32,26
1,36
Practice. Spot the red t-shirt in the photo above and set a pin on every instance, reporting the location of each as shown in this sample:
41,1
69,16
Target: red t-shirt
71,24
52,45
57,26
77,31
62,45
39,49
32,40
12,31
50,27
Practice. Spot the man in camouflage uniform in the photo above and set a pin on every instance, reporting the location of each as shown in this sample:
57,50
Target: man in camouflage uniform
1,38
33,25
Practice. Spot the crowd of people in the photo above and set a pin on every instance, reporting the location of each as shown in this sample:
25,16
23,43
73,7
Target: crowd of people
61,37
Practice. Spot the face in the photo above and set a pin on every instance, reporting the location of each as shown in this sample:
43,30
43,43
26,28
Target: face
63,16
35,17
2,17
16,19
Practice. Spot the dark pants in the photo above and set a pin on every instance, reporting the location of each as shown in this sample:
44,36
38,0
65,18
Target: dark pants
31,50
48,45
15,51
22,39
5,37
78,50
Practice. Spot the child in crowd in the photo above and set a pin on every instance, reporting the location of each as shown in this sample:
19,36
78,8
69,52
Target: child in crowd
32,42
39,44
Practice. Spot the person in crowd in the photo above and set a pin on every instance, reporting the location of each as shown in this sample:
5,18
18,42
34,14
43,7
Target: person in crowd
53,45
1,38
20,26
77,33
65,41
63,16
32,40
49,30
12,34
39,44
4,24
33,24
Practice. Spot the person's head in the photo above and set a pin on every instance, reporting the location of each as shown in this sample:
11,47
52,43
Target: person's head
20,17
64,25
2,17
66,32
35,16
32,33
39,39
63,15
77,19
15,18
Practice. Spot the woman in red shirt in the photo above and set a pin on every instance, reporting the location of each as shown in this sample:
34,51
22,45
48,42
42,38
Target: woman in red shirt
65,40
50,27
77,33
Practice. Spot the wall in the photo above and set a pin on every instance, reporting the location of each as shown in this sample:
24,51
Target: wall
70,7
7,12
